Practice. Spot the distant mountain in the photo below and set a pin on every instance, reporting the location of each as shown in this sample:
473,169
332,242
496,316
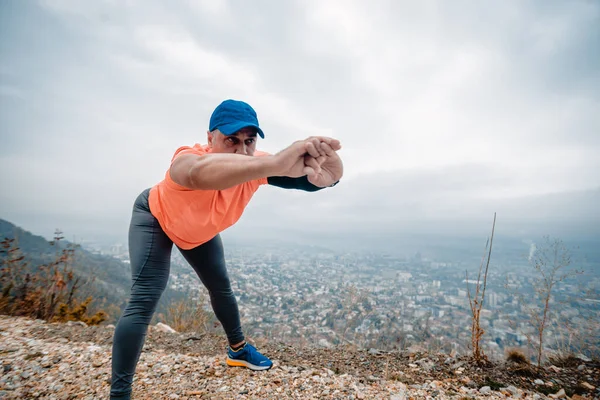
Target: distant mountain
112,277
29,242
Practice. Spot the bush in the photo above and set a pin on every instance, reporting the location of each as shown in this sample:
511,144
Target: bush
187,315
551,262
78,313
564,360
48,292
516,356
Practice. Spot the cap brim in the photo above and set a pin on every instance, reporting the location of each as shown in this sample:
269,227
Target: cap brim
230,129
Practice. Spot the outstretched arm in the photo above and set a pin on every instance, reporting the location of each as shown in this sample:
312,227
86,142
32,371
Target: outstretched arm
219,171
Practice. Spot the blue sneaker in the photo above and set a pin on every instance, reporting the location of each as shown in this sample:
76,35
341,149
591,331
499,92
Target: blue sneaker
248,357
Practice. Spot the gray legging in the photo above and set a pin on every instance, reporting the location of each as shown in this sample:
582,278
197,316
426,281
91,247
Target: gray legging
150,254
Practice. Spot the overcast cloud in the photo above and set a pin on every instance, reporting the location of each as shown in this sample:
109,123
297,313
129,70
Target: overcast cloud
447,111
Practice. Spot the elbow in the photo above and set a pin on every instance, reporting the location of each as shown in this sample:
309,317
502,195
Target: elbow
199,177
193,173
195,177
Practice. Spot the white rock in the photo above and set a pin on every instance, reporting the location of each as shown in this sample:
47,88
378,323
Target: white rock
559,395
76,323
94,348
584,358
513,390
538,382
485,390
374,352
165,328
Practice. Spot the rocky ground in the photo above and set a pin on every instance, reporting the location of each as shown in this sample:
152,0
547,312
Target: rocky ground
71,361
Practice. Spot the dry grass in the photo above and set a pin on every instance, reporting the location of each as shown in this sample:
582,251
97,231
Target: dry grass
188,315
516,356
550,262
476,300
50,293
564,360
519,364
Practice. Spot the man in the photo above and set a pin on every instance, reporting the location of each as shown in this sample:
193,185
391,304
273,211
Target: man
205,191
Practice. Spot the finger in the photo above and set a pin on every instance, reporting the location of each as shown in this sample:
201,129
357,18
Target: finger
309,171
330,141
321,159
311,149
334,144
327,149
312,163
320,138
317,144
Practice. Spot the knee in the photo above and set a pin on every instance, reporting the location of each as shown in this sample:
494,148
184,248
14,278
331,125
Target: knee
148,290
141,311
220,284
221,289
143,304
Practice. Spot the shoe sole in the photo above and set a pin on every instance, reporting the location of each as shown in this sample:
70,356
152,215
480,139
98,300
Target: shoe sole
240,363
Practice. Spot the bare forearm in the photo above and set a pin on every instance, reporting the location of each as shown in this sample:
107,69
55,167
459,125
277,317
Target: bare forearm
222,171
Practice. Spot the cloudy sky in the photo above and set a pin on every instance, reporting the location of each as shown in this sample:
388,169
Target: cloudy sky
447,111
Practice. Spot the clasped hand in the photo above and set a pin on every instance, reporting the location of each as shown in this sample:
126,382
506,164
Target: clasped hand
322,165
315,157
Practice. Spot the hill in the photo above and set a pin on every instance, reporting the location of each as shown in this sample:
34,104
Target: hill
52,360
109,278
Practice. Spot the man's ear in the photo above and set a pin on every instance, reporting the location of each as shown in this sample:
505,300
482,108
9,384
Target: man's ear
209,138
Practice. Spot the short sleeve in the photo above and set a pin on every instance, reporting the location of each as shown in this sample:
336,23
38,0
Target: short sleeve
198,150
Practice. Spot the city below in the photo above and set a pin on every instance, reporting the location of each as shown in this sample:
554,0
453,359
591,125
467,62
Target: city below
373,300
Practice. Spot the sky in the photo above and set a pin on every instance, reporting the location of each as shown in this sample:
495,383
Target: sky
447,111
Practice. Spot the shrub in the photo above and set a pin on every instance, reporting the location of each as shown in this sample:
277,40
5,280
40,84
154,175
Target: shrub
188,315
78,313
48,292
516,356
550,262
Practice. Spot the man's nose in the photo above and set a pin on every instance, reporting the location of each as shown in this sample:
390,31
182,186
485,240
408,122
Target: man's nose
242,149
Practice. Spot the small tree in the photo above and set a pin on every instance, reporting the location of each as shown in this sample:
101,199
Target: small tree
47,292
476,300
550,262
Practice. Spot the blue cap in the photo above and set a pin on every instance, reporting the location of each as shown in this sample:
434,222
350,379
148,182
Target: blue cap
232,115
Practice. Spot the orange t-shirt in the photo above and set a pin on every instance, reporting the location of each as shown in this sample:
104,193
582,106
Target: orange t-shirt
192,217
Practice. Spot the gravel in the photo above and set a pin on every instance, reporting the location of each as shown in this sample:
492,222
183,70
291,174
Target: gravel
40,360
